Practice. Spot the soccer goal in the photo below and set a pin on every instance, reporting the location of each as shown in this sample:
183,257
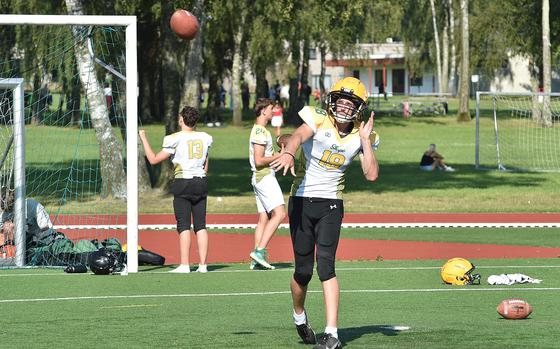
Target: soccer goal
68,139
518,131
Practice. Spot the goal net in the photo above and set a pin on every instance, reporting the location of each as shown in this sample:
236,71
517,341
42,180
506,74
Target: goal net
78,145
518,131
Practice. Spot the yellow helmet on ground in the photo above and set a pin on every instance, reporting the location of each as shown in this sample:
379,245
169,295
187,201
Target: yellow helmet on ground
351,89
457,271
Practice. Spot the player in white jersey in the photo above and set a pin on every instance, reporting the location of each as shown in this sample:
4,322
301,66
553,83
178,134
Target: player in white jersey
329,140
270,201
188,150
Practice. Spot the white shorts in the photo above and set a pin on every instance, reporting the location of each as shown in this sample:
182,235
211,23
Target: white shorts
427,168
268,193
276,121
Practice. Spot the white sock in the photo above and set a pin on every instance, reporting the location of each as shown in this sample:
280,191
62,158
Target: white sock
332,330
299,319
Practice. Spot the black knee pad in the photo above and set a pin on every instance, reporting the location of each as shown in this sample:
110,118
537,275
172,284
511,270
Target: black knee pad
302,279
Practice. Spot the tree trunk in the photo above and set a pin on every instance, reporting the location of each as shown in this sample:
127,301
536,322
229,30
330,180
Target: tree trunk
294,106
323,90
193,68
445,53
236,73
547,80
436,39
453,69
464,88
536,105
172,54
110,149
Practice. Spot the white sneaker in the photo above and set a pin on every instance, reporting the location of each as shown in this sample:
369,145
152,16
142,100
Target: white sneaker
217,124
202,268
449,169
183,269
210,124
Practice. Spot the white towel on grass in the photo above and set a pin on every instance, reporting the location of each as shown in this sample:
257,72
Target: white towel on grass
510,279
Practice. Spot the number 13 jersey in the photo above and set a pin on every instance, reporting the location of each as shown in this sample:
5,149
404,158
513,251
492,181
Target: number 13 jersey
188,152
325,156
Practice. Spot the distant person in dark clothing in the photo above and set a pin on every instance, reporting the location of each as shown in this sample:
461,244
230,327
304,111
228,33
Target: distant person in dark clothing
432,160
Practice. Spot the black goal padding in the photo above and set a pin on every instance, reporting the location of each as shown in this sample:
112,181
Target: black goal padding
146,257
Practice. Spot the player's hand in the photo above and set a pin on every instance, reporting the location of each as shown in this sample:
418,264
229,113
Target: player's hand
284,163
366,128
142,134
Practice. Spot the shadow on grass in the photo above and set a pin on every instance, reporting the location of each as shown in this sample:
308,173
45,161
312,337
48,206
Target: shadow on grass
232,177
351,333
406,177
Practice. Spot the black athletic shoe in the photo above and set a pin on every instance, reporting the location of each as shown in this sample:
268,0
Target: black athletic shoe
306,333
327,341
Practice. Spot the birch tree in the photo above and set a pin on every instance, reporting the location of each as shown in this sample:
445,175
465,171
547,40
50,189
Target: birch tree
110,149
453,57
193,68
464,86
547,80
436,40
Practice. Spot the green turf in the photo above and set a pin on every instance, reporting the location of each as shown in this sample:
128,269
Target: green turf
546,237
235,308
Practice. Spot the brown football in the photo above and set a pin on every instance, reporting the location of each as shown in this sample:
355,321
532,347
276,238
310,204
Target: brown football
283,140
514,309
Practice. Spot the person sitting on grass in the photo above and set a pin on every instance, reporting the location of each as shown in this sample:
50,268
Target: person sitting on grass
432,160
38,228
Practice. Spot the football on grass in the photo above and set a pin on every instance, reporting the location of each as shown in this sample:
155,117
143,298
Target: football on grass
283,140
514,309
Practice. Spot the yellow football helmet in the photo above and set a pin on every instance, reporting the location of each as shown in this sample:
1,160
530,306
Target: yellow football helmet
350,89
457,271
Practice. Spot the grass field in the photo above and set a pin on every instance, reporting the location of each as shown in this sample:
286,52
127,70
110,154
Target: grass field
232,307
401,187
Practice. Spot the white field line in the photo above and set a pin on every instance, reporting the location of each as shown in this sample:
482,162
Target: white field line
289,269
269,293
344,225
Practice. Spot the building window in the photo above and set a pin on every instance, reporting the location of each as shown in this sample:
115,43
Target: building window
315,82
416,81
312,53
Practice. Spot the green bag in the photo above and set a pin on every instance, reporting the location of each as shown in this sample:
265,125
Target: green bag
61,245
83,246
112,244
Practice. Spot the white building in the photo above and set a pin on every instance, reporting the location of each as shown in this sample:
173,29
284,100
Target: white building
381,67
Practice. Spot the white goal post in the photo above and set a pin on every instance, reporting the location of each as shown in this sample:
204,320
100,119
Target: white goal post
518,131
129,22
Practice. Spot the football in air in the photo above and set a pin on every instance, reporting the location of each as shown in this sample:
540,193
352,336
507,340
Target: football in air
514,309
282,140
184,24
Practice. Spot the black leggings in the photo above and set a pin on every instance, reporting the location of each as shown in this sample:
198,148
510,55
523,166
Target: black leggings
190,199
315,223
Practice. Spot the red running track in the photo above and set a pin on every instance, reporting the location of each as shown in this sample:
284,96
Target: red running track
231,248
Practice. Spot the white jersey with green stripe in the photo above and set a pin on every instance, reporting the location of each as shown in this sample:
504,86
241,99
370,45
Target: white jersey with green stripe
325,156
188,152
260,135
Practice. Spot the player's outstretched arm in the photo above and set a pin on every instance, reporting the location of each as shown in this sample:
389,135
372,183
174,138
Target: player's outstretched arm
286,161
153,158
368,160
